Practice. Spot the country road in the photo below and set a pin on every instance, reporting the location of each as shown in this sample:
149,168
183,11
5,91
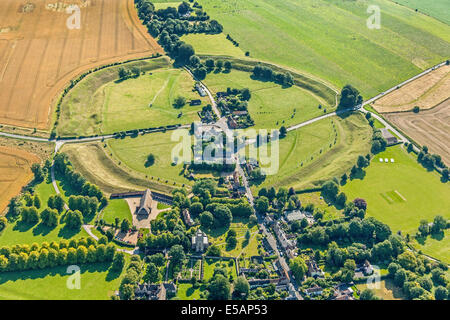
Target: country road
60,142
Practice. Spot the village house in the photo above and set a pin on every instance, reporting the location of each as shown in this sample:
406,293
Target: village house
201,91
145,205
240,113
232,123
195,102
314,291
200,241
313,269
285,242
388,136
170,288
221,94
147,291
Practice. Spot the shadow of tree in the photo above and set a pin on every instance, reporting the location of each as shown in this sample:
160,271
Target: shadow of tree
67,233
60,270
23,226
42,229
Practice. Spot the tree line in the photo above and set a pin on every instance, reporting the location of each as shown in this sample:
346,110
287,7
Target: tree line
32,257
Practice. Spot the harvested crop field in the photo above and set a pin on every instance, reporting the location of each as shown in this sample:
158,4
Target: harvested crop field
39,54
15,172
426,92
428,127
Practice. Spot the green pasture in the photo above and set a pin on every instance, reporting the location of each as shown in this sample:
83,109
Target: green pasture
330,39
401,193
116,208
97,282
133,152
271,106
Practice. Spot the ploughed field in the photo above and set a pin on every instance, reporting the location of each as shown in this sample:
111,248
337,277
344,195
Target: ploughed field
425,92
39,54
15,172
429,127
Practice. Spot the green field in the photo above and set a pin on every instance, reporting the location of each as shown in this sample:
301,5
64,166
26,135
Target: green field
101,104
96,165
214,44
22,233
436,246
148,101
270,106
387,290
185,291
116,208
401,193
97,283
210,264
246,248
330,39
81,109
133,153
308,156
438,9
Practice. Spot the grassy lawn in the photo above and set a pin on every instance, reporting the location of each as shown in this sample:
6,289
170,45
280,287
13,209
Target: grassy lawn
97,283
133,153
210,264
271,106
185,291
147,101
401,193
387,290
436,8
329,39
308,156
330,212
213,44
244,247
116,208
163,4
435,246
94,162
22,233
101,104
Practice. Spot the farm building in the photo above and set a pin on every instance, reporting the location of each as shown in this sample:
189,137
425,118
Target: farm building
145,205
388,136
200,89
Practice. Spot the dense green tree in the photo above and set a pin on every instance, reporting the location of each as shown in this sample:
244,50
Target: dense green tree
241,288
206,219
262,204
118,261
219,288
298,267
